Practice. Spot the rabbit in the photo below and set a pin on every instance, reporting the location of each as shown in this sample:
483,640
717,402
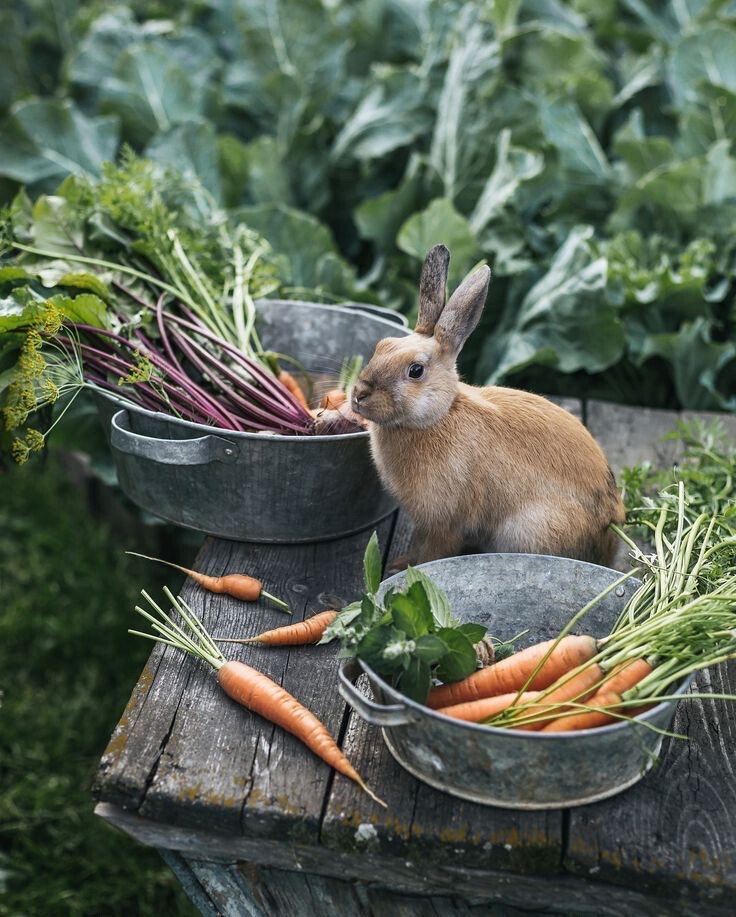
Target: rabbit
479,469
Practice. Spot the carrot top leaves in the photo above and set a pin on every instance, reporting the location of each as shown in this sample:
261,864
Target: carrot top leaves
408,635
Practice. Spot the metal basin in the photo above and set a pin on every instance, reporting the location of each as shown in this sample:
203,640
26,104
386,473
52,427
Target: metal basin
254,487
517,770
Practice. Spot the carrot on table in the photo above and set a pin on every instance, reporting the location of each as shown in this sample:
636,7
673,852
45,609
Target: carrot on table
513,673
260,694
247,685
476,710
236,585
309,631
290,383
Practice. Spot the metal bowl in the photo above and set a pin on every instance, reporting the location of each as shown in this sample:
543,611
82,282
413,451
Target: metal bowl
254,487
516,770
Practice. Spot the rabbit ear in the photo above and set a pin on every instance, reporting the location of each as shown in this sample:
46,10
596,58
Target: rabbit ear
432,288
462,312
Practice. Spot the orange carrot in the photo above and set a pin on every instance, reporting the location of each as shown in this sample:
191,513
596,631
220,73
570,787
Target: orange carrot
333,399
309,631
587,719
289,382
621,679
476,710
512,673
236,585
260,694
574,687
626,675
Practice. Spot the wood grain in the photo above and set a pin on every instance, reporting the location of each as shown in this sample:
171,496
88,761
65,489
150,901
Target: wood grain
676,830
272,864
629,435
187,754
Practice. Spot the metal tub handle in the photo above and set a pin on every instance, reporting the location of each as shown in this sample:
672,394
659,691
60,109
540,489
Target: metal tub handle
199,451
370,711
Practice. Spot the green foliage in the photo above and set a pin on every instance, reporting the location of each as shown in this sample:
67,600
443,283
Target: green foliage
67,667
409,636
584,150
707,468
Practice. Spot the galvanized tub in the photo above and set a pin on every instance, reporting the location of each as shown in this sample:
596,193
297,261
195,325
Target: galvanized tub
261,487
516,770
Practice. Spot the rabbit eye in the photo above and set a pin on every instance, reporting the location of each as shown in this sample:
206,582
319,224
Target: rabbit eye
416,371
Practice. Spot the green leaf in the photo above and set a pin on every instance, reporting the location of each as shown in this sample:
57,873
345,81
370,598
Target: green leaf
20,308
513,166
191,149
388,117
415,681
372,565
563,321
460,659
154,87
440,222
430,648
438,600
379,218
707,55
578,148
474,632
413,619
85,309
308,257
696,362
45,139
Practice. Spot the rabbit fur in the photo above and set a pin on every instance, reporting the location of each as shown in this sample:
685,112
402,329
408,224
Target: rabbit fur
479,469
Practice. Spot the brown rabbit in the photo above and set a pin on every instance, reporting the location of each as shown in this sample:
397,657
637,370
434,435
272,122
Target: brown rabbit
479,469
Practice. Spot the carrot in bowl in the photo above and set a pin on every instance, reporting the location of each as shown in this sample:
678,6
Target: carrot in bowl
304,632
236,585
476,710
246,685
513,673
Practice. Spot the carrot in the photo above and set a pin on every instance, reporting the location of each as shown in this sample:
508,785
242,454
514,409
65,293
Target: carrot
290,383
476,710
621,679
573,687
236,585
626,675
301,634
587,719
260,694
512,673
333,399
246,685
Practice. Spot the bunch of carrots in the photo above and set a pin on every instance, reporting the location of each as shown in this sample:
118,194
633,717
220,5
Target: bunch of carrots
681,619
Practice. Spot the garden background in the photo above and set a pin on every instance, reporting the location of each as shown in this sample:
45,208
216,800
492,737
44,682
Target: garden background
584,149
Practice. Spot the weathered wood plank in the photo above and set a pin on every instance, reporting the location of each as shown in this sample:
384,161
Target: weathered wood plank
184,752
563,894
677,828
629,435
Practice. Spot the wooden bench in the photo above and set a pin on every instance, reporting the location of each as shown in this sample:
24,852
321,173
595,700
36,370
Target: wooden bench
253,824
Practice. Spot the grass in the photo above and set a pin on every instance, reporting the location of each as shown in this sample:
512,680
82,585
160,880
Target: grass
67,667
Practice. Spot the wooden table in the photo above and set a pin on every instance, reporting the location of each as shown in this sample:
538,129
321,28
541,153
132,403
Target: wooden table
253,824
